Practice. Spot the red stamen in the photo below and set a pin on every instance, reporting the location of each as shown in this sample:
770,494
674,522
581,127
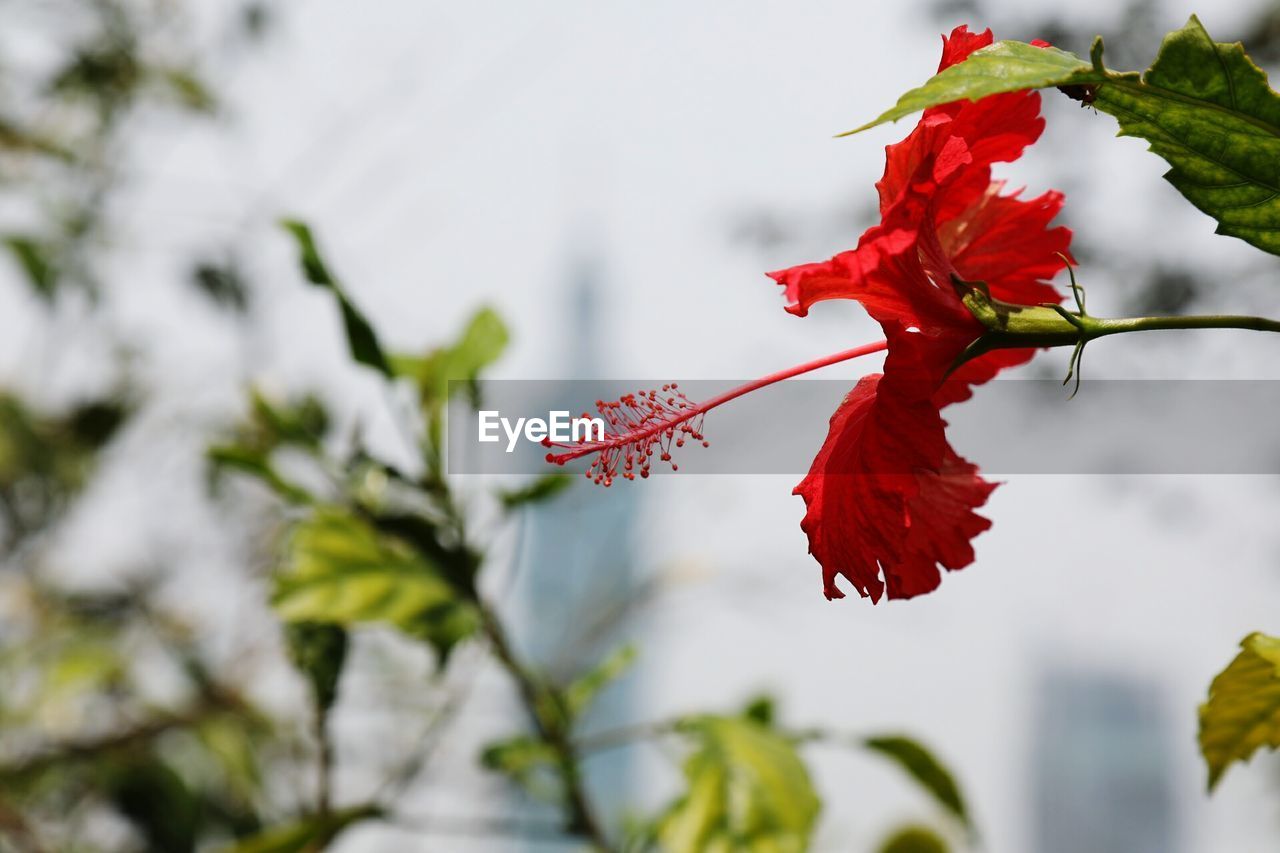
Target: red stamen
637,423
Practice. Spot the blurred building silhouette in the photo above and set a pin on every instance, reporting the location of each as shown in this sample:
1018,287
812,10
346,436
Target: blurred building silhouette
1101,774
576,585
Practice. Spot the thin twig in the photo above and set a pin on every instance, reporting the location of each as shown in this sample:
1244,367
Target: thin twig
88,748
551,718
432,736
624,736
324,767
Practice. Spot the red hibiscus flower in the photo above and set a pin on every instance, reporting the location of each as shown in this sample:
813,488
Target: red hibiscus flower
888,501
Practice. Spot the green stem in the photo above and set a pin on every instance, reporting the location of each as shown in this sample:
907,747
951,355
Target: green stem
1017,326
1211,321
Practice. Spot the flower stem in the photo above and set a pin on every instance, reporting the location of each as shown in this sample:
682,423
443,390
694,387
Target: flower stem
1050,325
1211,321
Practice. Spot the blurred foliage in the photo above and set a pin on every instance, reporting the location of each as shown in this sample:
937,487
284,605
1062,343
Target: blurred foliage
36,263
223,282
747,790
393,550
119,730
85,732
341,570
1165,290
46,459
123,729
361,339
306,835
914,839
482,343
584,689
301,424
529,762
63,126
540,489
365,545
1243,710
1261,34
924,768
319,651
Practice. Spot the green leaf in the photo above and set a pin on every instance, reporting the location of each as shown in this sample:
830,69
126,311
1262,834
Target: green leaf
579,695
318,650
541,489
748,790
305,835
361,339
340,569
1210,113
1006,66
93,423
1243,711
457,564
84,663
302,422
189,89
530,763
914,839
256,464
223,283
154,798
47,457
926,769
37,263
108,70
233,744
763,709
482,343
1203,106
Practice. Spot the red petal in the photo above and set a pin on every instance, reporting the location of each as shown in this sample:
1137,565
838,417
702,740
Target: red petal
884,274
946,523
961,43
1006,242
888,501
959,385
941,173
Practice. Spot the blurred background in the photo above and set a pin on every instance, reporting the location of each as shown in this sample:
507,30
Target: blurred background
614,179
